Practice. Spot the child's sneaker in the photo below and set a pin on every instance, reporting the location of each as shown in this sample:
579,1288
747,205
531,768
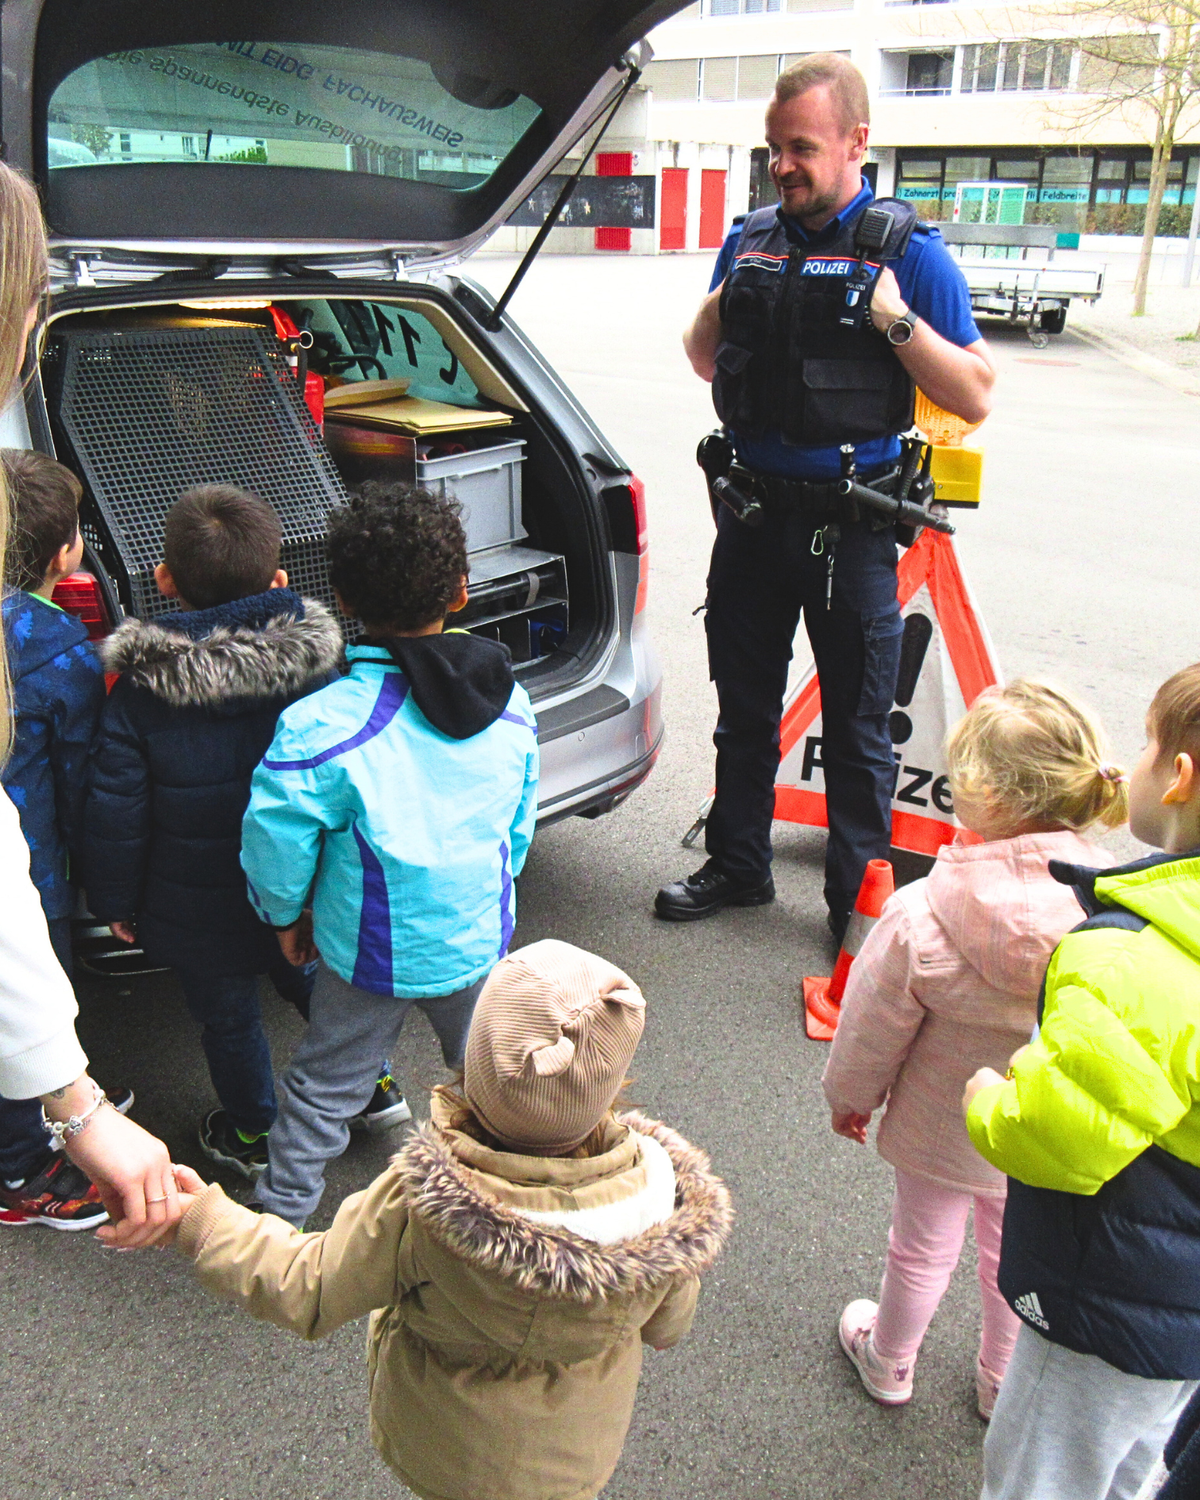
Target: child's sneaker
60,1196
224,1143
386,1108
121,1099
889,1384
987,1388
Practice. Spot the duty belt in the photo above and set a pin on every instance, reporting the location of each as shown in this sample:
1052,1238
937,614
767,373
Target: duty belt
820,498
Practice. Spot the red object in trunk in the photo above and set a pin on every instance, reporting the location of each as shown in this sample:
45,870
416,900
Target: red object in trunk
712,209
79,595
287,332
672,209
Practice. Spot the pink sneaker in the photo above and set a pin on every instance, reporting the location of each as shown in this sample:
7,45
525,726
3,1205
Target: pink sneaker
890,1385
987,1388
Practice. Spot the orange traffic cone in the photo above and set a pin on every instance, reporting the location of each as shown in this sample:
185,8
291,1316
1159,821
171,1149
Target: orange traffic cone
823,997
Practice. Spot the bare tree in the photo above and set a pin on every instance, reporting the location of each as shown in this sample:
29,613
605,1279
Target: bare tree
1142,64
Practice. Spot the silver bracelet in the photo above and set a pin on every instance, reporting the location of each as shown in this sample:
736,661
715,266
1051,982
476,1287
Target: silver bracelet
62,1131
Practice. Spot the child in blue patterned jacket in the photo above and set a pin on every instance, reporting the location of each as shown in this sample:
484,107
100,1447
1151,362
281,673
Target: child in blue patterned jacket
58,693
387,824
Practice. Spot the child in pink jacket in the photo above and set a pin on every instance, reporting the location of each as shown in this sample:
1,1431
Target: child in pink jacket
947,982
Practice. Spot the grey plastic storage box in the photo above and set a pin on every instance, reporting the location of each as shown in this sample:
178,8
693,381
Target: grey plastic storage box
487,483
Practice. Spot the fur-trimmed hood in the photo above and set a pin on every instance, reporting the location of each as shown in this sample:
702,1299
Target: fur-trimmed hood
240,658
448,1197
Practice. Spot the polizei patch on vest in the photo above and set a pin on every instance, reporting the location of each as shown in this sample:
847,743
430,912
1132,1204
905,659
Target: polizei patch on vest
824,265
755,260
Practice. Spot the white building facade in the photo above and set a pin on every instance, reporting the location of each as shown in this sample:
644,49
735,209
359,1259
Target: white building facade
959,93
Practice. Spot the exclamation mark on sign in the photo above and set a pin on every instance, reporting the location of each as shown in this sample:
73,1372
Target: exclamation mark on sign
918,632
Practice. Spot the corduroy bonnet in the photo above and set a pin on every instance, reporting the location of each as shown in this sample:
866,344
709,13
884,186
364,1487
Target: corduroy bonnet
550,1043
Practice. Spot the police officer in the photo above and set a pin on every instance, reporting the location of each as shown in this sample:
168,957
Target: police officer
792,385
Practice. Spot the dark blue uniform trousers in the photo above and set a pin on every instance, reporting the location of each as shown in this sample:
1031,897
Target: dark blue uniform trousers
759,582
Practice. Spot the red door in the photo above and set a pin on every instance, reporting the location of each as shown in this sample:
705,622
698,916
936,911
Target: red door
712,209
672,212
614,164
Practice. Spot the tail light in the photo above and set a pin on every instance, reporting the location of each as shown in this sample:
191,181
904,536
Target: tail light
637,493
80,595
626,506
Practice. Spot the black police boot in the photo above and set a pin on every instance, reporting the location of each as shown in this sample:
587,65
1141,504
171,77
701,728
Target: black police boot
706,892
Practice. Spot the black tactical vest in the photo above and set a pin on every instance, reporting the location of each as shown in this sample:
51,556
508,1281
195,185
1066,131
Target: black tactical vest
784,363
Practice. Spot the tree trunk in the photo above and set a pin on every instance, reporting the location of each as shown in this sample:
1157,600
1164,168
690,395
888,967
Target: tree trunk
1159,163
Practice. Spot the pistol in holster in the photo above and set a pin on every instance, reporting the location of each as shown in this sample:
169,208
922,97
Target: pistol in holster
729,482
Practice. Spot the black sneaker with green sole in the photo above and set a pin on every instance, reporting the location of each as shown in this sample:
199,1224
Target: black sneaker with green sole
386,1108
223,1142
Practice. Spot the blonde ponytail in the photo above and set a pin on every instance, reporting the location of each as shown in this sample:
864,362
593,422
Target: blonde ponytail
24,276
1037,754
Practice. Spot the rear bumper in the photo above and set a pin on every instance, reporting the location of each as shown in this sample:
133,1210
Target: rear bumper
595,750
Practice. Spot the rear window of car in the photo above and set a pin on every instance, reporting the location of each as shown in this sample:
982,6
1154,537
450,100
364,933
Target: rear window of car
274,104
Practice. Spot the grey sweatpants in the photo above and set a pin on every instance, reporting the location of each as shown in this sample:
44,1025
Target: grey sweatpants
332,1076
1070,1426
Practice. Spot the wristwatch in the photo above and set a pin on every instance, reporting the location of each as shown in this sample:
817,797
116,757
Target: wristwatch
902,329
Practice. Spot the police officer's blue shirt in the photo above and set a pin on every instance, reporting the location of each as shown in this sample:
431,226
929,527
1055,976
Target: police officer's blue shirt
930,283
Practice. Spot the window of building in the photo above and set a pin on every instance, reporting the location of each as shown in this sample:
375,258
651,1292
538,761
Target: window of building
1111,176
1016,170
979,68
1067,179
1029,66
919,177
740,7
929,72
966,169
756,75
674,80
718,79
762,189
1116,63
1138,190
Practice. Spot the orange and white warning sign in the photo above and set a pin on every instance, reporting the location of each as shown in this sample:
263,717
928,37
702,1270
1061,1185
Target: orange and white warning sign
946,660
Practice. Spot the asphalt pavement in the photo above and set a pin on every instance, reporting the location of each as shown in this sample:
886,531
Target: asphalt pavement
122,1379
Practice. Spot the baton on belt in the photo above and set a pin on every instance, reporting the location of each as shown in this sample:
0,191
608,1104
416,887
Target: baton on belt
903,511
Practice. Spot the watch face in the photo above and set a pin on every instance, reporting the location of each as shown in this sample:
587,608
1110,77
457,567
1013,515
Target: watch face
900,331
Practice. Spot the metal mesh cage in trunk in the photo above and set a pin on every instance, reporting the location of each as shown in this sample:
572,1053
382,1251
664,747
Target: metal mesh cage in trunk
145,415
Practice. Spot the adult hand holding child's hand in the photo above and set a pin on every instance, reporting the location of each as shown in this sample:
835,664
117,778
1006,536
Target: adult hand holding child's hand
132,1173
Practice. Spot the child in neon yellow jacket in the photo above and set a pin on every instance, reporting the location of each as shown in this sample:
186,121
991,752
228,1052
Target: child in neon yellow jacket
1097,1125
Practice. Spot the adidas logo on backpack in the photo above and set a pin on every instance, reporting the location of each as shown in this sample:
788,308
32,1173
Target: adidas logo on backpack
1029,1308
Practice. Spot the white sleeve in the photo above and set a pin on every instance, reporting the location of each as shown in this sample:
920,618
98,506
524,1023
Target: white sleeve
39,1050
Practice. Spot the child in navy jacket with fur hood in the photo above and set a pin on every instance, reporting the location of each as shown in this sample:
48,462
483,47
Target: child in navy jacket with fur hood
195,708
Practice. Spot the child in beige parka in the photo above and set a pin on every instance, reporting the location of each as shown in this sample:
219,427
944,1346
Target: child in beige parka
514,1257
947,981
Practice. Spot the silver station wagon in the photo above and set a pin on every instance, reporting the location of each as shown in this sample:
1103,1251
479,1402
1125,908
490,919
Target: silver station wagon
253,211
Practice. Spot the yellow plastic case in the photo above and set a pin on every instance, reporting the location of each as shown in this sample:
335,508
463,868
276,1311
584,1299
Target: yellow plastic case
957,475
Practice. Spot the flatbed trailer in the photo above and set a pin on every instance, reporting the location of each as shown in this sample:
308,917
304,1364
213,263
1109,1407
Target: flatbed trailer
1006,283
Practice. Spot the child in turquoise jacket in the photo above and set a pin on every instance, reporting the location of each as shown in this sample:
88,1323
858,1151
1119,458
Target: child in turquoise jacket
398,804
1098,1126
